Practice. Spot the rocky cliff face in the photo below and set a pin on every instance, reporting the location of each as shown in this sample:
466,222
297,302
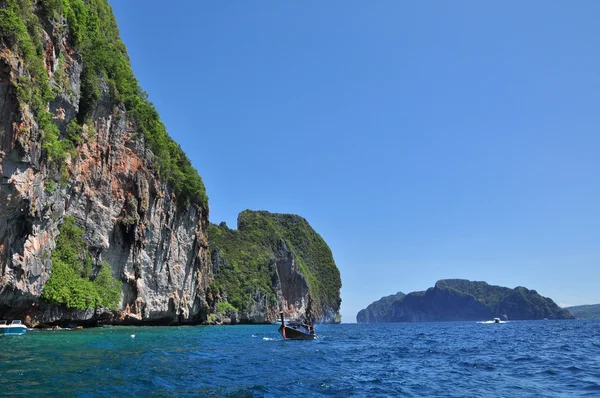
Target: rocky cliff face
109,183
289,291
291,285
271,263
380,310
462,300
81,147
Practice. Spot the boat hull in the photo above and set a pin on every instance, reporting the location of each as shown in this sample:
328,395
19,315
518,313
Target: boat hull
293,334
13,330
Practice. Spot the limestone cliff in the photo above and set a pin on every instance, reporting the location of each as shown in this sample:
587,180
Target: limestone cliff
134,214
380,310
463,300
272,262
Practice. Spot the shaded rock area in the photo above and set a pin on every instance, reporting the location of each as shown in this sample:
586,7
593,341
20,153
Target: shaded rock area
380,310
463,300
292,287
272,263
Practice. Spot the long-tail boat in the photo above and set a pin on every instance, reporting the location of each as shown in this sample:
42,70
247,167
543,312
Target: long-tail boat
297,330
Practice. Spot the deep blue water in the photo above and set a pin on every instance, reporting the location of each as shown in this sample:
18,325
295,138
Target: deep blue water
452,359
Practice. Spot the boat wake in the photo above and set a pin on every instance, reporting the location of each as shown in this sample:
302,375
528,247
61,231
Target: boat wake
486,322
268,338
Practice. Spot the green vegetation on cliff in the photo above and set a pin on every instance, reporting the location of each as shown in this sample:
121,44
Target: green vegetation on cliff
490,295
246,268
523,303
94,35
590,311
71,281
248,254
20,29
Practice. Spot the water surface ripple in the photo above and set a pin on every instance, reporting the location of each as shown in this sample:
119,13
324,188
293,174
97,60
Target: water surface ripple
452,359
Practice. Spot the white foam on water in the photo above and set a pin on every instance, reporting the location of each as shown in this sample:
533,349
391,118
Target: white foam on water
267,338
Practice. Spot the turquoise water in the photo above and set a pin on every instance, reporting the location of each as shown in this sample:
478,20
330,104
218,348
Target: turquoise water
453,359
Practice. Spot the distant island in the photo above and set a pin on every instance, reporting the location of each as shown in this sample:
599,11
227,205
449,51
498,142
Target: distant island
591,311
462,300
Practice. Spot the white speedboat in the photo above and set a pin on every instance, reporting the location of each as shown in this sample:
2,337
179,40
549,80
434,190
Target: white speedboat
15,328
496,320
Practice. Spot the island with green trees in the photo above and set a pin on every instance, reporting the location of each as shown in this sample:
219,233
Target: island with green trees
463,300
588,311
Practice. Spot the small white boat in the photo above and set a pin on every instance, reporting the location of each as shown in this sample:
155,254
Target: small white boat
496,320
15,328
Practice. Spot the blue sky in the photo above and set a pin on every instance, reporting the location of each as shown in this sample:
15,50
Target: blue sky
423,140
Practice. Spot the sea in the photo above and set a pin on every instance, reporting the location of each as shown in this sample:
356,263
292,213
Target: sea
449,359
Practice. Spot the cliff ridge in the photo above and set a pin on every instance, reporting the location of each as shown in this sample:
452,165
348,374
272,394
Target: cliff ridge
273,262
464,300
